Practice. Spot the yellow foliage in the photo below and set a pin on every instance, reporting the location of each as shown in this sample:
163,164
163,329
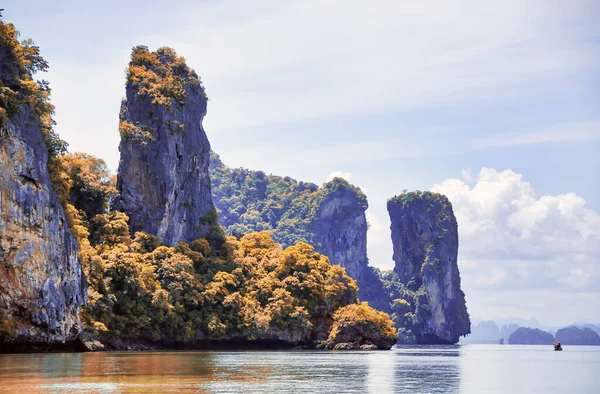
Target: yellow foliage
161,75
363,315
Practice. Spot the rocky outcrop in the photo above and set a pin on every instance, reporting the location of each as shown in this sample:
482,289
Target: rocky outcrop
577,336
163,183
530,336
42,286
425,245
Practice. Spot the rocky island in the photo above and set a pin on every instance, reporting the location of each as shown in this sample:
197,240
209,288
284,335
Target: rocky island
160,271
147,261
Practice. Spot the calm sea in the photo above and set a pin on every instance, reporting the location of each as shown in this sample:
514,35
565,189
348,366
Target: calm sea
439,369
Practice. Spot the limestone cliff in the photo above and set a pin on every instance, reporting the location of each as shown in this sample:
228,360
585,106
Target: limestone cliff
163,183
425,245
331,217
42,286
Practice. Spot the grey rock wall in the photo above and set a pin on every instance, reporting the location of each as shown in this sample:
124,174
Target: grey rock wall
42,286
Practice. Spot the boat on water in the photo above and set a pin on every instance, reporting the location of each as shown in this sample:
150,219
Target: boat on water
557,346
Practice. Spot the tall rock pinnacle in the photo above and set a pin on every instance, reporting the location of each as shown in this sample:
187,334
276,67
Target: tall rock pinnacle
163,183
425,241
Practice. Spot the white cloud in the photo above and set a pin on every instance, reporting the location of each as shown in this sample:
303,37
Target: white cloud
339,174
467,175
511,239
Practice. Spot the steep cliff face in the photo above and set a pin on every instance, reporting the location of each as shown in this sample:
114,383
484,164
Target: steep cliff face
425,244
41,282
340,228
163,183
42,286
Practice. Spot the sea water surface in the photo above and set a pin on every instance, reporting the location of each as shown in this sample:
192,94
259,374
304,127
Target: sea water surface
410,369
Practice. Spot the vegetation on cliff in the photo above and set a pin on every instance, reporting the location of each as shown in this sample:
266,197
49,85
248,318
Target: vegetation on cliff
161,75
244,289
250,201
20,61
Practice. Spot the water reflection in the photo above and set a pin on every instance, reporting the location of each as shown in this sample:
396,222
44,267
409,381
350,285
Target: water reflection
427,369
407,369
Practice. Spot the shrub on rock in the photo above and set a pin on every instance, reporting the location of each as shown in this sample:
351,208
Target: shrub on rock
358,326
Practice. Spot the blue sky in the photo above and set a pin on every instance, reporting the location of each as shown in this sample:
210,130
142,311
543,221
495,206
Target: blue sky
494,104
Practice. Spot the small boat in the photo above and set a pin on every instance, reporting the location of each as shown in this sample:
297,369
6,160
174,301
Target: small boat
557,346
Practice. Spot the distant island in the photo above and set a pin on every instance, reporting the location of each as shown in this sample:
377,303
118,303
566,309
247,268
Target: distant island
489,332
530,336
577,336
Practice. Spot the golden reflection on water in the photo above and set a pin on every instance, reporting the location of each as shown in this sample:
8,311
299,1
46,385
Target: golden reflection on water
110,372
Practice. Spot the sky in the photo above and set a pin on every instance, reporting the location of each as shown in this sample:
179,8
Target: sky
495,104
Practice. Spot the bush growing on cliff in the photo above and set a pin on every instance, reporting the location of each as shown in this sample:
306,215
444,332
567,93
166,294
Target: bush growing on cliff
89,183
161,75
